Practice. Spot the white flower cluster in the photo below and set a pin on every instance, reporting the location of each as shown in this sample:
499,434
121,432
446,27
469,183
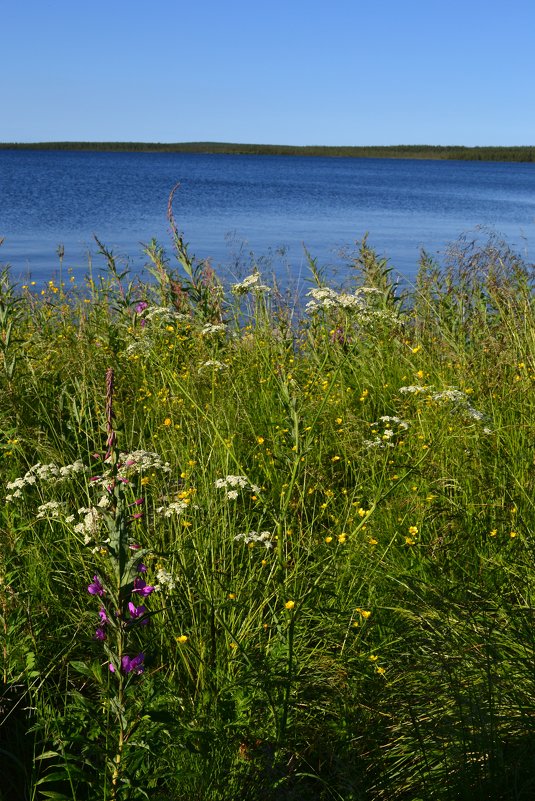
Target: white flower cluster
136,462
143,346
175,508
415,389
49,509
264,538
89,527
214,364
234,483
391,427
323,297
451,395
250,284
46,473
212,328
164,314
165,581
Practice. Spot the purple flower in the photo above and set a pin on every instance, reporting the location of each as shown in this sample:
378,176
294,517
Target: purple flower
141,306
140,586
100,634
96,588
137,611
134,665
141,568
103,616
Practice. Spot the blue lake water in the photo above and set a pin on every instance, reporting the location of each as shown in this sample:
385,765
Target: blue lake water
237,210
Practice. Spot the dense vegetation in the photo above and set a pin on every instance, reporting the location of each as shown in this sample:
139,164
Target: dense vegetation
254,551
391,152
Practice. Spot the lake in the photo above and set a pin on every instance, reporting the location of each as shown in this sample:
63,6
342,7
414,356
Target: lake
240,210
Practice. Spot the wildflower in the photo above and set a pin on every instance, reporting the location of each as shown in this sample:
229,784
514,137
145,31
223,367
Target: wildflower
103,616
289,604
141,587
409,541
264,538
96,588
512,534
167,421
380,670
100,634
165,580
328,539
413,530
131,665
182,639
137,612
342,538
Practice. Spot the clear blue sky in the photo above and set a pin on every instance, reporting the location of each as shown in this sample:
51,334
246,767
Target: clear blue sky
296,72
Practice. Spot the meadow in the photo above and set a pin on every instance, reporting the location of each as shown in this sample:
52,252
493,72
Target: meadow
258,549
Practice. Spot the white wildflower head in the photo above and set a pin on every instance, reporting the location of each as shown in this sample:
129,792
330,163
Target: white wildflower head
250,284
264,538
164,581
211,328
232,485
387,432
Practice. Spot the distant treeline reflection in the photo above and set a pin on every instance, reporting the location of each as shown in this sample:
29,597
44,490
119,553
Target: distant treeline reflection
524,153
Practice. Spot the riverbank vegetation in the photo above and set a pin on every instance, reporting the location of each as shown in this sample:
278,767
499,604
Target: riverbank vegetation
252,550
524,153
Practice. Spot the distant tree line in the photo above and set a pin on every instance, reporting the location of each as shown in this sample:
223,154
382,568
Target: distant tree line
524,153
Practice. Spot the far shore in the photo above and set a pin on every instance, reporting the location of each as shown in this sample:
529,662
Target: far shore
436,152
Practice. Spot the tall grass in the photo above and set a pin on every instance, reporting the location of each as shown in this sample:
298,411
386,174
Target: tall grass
335,508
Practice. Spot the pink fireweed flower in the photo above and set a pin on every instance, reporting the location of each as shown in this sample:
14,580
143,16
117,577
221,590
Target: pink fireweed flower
137,612
141,586
96,588
130,665
134,665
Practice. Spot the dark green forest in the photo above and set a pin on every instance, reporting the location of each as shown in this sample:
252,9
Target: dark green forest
524,153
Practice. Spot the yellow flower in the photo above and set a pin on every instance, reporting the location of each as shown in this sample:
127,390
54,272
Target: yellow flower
373,657
289,604
409,541
167,421
512,534
364,613
338,420
372,541
380,670
493,533
182,639
328,539
144,481
260,440
232,595
413,530
342,538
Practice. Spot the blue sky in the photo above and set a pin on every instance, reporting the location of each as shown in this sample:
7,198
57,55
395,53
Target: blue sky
295,72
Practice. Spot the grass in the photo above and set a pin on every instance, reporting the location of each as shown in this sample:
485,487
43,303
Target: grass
339,527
